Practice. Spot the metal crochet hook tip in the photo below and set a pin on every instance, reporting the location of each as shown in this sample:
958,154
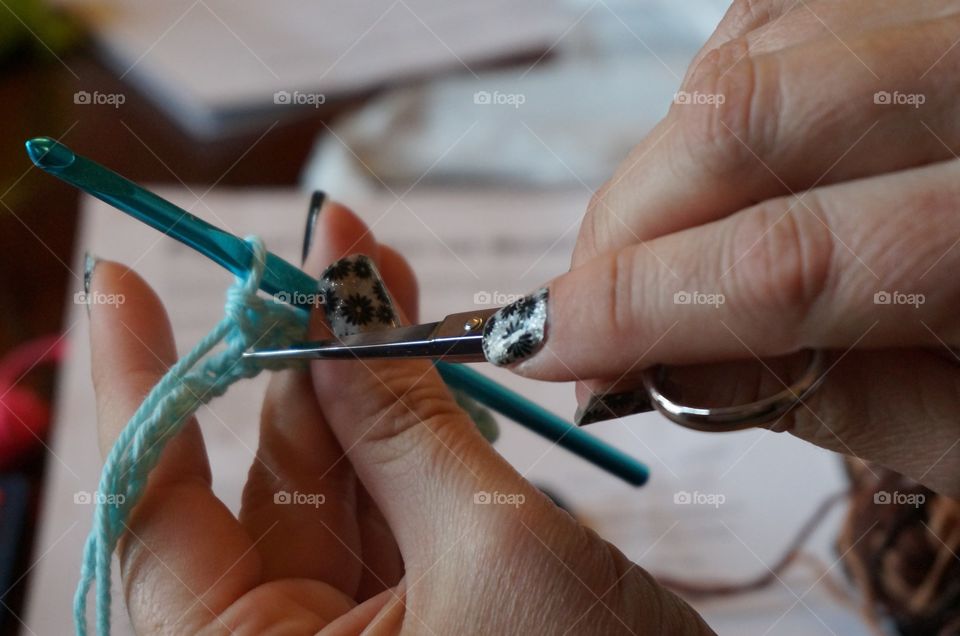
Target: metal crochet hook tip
49,154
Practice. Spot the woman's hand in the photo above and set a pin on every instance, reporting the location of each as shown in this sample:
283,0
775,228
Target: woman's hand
804,193
365,506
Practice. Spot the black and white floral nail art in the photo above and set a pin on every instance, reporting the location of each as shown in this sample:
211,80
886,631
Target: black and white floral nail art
611,406
355,298
517,331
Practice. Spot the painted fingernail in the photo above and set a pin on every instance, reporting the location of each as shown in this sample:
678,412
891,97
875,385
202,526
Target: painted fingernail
316,204
355,298
610,406
517,331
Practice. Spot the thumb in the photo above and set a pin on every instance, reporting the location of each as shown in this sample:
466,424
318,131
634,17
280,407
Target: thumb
417,453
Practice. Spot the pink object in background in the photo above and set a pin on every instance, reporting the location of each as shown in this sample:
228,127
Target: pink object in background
24,416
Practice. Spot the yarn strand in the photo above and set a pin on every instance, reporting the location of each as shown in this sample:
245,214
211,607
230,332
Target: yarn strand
200,376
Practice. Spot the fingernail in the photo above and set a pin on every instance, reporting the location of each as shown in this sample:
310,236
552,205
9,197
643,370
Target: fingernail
316,204
610,406
517,331
355,298
89,263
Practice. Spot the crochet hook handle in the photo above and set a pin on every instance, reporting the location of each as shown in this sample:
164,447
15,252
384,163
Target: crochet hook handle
280,276
222,247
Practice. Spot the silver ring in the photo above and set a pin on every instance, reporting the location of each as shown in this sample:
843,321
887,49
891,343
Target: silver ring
741,416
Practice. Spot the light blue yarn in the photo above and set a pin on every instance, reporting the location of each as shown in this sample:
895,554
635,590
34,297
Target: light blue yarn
197,378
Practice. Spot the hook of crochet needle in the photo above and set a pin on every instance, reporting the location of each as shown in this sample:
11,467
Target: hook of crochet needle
222,247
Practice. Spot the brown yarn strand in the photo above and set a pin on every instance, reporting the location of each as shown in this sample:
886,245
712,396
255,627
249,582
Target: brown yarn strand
899,546
699,589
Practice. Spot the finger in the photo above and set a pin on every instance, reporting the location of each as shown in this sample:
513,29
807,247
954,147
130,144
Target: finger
781,122
412,447
867,407
846,265
744,17
174,573
423,462
401,281
382,562
382,558
300,495
302,488
766,26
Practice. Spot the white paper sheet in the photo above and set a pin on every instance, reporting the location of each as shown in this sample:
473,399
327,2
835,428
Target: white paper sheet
461,244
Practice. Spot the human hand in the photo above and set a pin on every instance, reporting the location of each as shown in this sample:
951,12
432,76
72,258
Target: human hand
400,541
807,192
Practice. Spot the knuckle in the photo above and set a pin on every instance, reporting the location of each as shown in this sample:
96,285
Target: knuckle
589,238
746,15
782,260
730,121
411,416
598,200
624,295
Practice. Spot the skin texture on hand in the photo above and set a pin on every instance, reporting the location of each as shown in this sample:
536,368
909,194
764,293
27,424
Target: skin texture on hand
803,194
407,537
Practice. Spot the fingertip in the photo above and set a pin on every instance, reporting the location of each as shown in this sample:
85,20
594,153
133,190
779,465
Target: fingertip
401,281
127,319
131,347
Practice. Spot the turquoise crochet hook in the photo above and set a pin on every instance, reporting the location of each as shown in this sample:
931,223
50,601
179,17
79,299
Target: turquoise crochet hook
280,276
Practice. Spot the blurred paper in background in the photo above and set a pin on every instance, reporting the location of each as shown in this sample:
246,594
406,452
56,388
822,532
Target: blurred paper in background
304,48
